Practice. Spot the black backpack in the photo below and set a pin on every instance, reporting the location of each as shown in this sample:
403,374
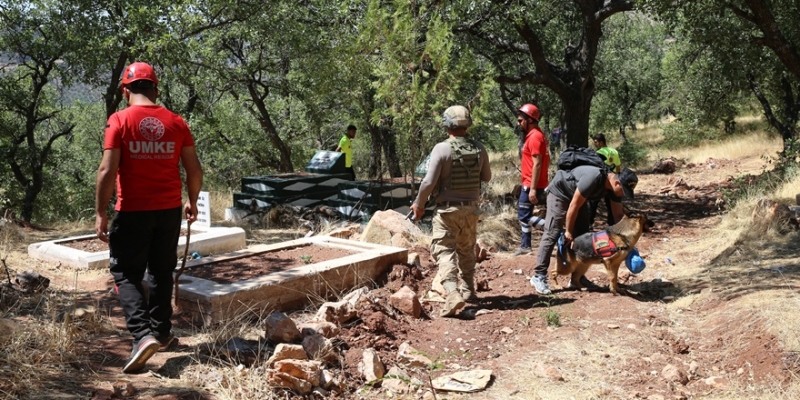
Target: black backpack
574,156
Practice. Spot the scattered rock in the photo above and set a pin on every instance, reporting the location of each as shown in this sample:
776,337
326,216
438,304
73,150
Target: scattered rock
665,166
328,381
123,388
319,347
338,312
306,370
672,373
396,386
281,329
371,367
324,328
465,381
383,225
413,260
406,301
284,380
717,382
239,351
410,357
103,394
346,232
285,351
400,240
693,367
547,372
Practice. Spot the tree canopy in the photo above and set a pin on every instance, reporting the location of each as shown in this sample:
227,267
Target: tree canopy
264,85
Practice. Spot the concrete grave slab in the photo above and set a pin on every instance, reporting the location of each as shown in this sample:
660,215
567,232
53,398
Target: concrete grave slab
288,289
214,240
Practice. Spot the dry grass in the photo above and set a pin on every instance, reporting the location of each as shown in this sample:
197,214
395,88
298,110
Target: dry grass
44,339
759,143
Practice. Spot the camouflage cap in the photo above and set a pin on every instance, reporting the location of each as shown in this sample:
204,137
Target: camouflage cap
456,117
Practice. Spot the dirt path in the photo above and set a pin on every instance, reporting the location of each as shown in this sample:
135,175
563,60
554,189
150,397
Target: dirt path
574,344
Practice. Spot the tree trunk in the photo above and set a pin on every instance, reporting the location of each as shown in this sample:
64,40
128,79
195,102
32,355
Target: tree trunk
576,121
787,128
32,191
375,151
390,152
284,163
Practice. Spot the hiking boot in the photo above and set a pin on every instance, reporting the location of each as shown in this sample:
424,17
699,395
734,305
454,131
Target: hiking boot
469,295
142,351
165,342
539,282
452,304
522,251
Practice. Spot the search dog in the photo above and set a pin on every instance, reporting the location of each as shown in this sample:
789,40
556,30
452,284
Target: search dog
610,248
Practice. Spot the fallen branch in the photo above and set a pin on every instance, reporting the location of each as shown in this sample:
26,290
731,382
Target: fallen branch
6,268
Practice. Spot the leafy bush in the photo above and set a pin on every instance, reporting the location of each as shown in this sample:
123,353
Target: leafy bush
632,154
681,135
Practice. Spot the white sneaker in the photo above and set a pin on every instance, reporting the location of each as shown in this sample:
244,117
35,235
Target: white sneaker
539,282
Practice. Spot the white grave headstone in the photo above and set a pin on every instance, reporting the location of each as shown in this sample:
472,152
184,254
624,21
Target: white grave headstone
203,210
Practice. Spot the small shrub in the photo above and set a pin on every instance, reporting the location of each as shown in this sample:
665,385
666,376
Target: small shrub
632,154
552,317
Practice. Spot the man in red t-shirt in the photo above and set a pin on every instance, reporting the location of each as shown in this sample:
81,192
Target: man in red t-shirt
535,160
145,145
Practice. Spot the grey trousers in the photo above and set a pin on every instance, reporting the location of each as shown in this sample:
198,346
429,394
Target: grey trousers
554,224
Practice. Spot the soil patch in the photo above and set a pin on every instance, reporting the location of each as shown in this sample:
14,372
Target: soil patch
240,269
95,245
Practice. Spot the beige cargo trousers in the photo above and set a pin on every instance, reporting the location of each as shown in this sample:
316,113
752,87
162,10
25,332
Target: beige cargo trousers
455,231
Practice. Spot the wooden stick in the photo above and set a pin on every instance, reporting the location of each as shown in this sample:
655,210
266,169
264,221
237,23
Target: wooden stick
7,273
183,263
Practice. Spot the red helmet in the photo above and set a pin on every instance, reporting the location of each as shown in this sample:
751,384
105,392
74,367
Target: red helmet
139,71
530,110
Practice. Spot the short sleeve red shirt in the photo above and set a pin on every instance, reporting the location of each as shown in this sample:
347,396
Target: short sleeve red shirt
150,139
535,144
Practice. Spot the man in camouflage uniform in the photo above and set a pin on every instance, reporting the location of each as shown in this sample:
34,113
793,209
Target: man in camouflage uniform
457,167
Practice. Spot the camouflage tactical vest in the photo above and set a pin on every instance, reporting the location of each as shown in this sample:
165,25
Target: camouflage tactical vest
465,172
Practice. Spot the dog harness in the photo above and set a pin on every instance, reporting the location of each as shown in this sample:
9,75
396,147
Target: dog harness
602,245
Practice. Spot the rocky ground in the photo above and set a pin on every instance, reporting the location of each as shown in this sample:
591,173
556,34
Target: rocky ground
572,344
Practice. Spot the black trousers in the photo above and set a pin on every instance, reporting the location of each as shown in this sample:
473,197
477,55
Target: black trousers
145,242
593,204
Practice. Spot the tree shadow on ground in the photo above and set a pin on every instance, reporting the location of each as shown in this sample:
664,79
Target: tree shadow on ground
756,262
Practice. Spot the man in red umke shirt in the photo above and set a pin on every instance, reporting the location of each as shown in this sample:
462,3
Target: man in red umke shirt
145,145
534,162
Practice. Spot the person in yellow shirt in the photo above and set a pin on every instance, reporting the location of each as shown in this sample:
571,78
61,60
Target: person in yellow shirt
344,147
613,161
